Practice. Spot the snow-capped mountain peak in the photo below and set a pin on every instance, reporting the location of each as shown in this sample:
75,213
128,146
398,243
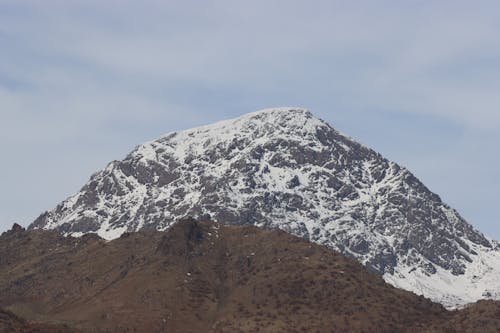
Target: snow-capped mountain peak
284,168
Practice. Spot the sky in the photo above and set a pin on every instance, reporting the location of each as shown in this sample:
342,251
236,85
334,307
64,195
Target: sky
83,82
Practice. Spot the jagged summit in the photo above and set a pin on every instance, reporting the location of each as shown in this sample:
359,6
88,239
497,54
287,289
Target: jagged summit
284,168
273,112
259,125
15,230
277,116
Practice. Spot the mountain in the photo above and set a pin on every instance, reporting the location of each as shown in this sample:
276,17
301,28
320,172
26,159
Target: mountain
201,276
283,168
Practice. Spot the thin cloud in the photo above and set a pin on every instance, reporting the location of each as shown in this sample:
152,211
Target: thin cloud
121,72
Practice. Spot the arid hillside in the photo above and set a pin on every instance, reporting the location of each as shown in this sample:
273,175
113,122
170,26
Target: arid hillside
200,276
10,323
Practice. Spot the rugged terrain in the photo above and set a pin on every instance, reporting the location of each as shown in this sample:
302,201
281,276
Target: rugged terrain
202,276
284,168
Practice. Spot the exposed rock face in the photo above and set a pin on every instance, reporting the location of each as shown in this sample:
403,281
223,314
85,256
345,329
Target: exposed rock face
284,168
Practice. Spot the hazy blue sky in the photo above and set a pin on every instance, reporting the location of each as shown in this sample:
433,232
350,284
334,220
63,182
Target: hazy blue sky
83,82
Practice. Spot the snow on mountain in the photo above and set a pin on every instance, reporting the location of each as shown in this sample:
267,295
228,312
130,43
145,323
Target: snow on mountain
284,168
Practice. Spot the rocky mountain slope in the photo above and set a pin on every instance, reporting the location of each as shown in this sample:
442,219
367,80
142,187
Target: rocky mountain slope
286,169
202,276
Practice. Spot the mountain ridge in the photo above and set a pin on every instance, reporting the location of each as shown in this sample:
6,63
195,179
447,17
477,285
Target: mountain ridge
284,168
203,276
